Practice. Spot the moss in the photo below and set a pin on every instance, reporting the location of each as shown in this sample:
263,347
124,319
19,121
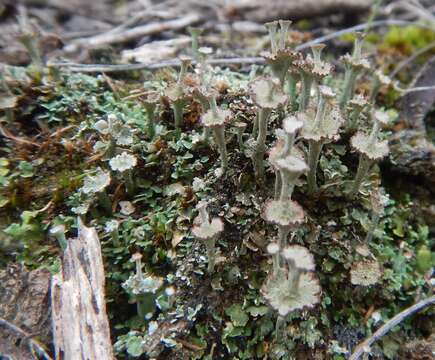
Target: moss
407,39
225,311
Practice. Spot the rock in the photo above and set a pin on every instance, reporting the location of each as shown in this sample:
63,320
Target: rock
413,154
24,302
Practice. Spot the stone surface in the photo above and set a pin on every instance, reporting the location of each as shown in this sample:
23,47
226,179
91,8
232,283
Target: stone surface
411,153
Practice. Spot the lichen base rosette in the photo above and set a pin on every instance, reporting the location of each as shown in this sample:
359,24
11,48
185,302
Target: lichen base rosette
277,291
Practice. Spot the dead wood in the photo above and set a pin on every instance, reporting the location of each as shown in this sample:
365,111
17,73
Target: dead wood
139,31
80,323
260,11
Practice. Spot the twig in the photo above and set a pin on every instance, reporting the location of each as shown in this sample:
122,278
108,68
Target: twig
7,134
60,131
374,24
139,31
365,345
141,15
419,88
33,344
74,67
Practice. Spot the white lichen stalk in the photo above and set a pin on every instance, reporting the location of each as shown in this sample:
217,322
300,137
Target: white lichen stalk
320,127
267,95
124,163
369,148
215,119
354,64
294,286
207,230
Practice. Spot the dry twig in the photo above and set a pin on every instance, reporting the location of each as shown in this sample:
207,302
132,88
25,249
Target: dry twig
138,31
364,347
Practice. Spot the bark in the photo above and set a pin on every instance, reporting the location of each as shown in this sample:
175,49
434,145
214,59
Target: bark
80,323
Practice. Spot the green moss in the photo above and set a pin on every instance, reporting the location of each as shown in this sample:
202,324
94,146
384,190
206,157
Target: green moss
408,39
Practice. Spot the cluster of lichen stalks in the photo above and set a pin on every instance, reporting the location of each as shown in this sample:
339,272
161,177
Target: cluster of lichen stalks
311,117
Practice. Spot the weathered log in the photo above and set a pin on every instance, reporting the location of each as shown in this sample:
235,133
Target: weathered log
260,11
80,323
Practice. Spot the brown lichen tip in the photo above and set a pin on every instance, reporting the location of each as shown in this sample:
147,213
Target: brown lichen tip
208,230
215,118
277,291
361,143
328,129
365,273
267,93
283,212
300,256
